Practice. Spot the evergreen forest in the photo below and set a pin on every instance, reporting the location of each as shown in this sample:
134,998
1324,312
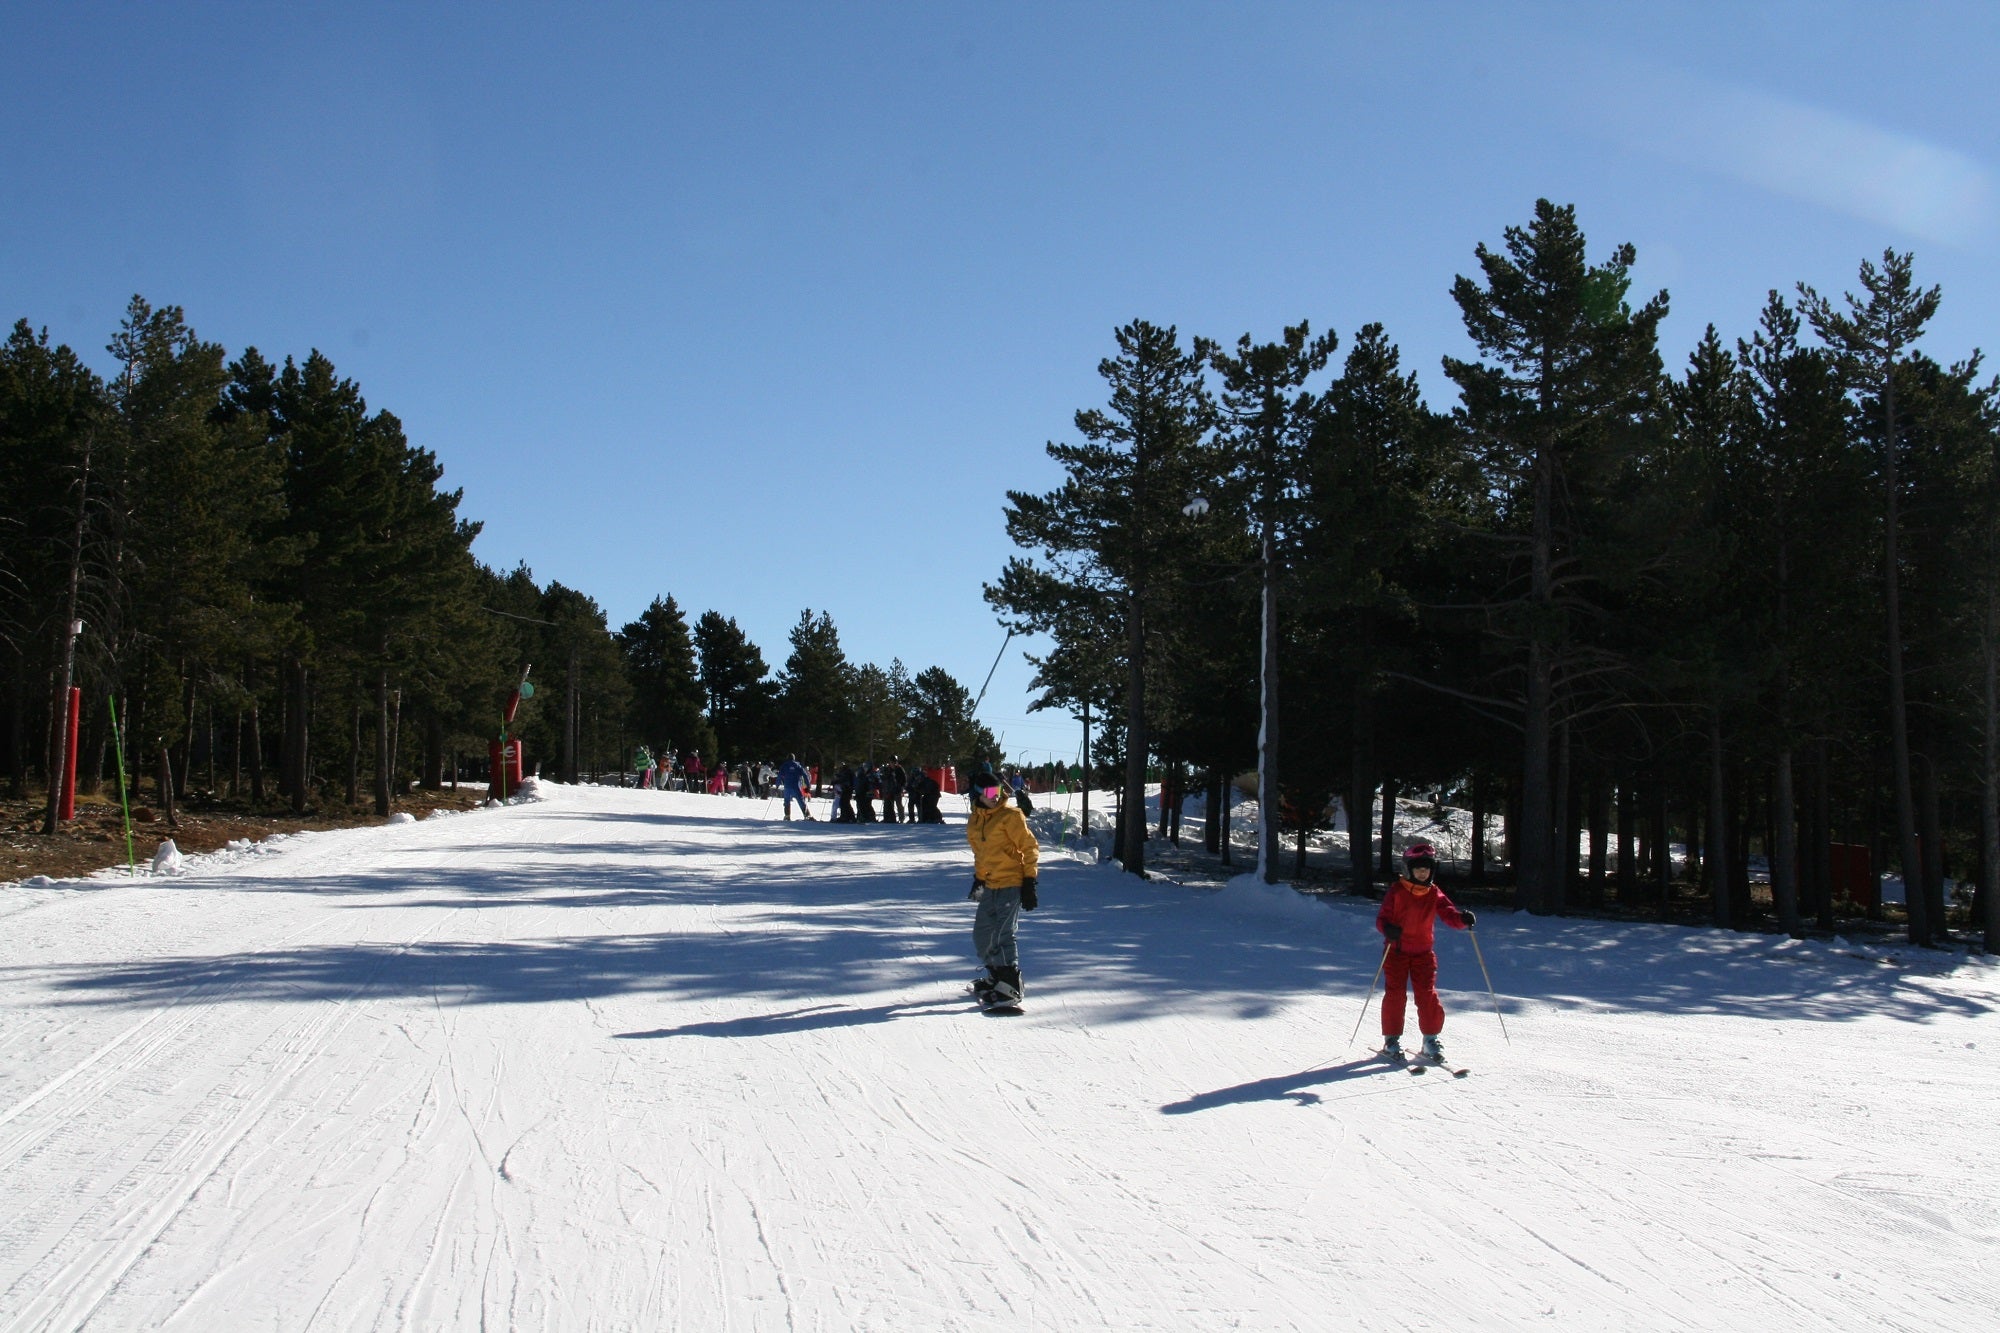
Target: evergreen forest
263,594
1673,631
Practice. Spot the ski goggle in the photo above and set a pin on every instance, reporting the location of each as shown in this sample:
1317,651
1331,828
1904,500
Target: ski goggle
989,791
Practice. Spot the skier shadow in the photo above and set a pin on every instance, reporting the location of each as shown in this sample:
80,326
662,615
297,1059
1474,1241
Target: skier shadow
813,1018
1284,1087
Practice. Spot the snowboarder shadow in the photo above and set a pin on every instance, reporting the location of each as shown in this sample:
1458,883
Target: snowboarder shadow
1283,1087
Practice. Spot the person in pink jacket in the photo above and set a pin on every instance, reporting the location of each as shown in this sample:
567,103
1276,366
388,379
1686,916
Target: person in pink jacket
1408,920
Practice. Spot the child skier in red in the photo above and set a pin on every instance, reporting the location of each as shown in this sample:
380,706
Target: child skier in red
1408,916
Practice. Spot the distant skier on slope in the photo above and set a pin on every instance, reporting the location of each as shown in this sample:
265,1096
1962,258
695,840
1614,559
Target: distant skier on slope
792,777
1407,921
924,792
1005,858
843,793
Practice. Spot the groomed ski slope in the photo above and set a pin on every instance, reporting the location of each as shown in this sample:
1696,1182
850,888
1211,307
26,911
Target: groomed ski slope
636,1060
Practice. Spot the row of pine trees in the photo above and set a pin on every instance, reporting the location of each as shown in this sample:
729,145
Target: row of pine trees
262,591
1749,606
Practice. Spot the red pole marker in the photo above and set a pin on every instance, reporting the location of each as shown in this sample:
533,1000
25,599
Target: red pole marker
66,808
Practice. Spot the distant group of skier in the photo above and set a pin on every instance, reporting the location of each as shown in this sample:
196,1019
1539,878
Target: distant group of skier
908,795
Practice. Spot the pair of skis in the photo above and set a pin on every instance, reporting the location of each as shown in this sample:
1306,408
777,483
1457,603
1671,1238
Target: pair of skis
1418,1063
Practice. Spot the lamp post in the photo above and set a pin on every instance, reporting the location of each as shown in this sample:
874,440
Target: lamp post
1267,708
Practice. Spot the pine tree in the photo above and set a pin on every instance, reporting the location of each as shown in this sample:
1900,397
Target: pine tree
52,411
816,693
1376,478
1268,417
737,684
1569,374
1870,340
942,727
1109,533
667,697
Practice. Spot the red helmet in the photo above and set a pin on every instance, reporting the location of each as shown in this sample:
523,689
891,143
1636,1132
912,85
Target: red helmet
1420,854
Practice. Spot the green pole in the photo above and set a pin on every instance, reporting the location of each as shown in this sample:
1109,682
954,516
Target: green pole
118,740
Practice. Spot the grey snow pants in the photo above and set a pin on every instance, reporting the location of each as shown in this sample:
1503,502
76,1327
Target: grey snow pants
994,927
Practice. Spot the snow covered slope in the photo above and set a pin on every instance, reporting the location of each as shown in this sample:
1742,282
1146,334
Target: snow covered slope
637,1060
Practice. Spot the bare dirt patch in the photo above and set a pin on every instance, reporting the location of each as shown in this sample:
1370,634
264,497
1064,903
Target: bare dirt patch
95,839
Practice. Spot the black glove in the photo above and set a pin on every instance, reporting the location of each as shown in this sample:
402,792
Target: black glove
1468,916
1028,898
977,889
1392,932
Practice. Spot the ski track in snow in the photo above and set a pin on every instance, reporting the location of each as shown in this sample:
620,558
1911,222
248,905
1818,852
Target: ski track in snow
639,1060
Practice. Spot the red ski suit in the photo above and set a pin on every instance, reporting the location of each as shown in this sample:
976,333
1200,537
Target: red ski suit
1409,961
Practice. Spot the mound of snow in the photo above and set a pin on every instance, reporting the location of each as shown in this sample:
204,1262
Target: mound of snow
167,860
1246,895
402,817
38,882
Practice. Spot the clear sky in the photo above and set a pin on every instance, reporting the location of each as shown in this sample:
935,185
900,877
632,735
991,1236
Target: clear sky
766,306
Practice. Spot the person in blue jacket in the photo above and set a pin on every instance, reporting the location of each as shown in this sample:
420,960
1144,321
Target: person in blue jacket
792,777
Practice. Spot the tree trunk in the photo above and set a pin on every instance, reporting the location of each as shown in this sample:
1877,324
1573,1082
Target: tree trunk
1388,866
1132,806
1510,842
1228,803
1478,866
1361,798
1989,789
433,777
1537,886
184,743
1920,927
569,720
1932,847
1822,845
384,759
166,782
1739,855
296,734
96,737
1663,851
1628,877
1568,806
1211,824
256,733
1785,855
1600,837
1267,730
1717,859
354,756
62,743
17,729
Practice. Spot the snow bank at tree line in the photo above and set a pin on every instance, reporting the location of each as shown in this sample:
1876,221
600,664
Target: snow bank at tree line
1057,821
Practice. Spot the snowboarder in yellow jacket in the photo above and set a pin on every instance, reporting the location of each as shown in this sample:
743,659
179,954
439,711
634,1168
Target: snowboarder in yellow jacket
1005,858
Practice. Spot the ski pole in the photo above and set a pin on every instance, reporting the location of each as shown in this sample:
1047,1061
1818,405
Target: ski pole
1489,983
1380,963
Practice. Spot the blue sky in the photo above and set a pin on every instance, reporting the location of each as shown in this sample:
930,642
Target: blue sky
766,306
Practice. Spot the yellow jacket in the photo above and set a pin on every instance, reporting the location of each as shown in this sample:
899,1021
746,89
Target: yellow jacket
1004,852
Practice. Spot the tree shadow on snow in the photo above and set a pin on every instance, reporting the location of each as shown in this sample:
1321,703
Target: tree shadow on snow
812,915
